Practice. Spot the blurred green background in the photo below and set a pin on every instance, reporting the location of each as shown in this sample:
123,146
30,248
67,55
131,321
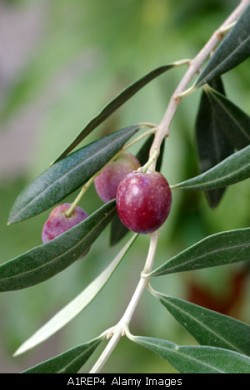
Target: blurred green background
60,62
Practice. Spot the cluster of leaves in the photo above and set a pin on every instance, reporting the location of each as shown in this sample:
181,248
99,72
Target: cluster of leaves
223,135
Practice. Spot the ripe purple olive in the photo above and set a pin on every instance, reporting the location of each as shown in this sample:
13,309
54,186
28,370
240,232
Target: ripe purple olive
58,222
107,181
143,201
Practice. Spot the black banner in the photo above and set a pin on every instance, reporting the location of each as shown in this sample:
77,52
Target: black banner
135,381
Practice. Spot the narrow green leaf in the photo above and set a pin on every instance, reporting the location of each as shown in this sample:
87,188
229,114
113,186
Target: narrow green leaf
77,305
234,123
212,144
234,49
161,156
196,359
70,361
67,175
218,249
233,169
114,104
118,231
217,85
209,327
45,261
143,152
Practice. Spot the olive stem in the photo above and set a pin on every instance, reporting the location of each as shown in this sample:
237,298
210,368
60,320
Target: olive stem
121,328
140,137
85,187
146,166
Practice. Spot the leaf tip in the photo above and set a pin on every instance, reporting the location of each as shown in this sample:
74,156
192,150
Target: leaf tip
11,220
18,352
26,346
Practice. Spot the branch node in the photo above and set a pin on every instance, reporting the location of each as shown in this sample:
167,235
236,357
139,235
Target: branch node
145,274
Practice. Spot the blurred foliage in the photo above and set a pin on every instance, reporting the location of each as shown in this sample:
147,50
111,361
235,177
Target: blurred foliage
86,53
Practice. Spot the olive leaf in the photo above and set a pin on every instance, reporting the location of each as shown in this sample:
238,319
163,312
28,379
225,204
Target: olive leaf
234,123
45,261
213,147
118,231
233,169
70,361
67,175
117,102
218,249
234,49
209,327
196,359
